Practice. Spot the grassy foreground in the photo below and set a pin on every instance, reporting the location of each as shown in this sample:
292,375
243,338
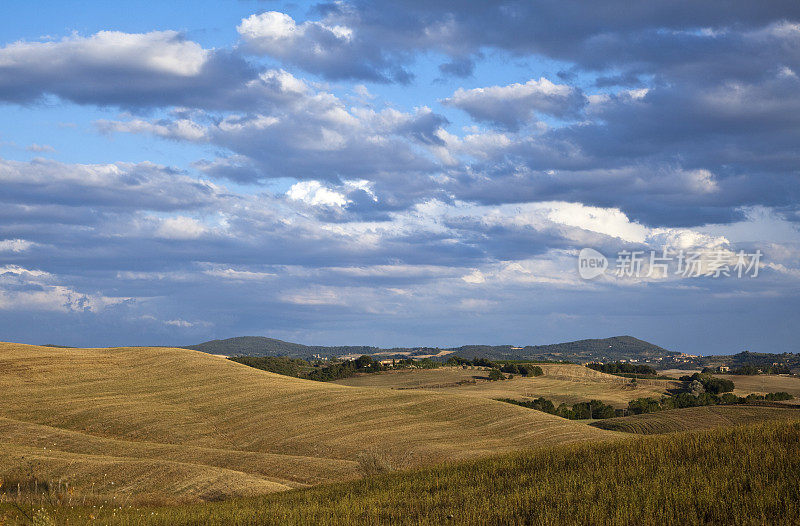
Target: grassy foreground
739,475
157,426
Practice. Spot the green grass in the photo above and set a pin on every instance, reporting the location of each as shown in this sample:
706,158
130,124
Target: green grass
739,475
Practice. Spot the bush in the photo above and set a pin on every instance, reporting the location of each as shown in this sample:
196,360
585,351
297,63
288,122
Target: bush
274,364
782,395
750,369
622,368
579,411
522,369
710,383
495,374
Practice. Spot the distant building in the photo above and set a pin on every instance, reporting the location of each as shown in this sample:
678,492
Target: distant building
724,368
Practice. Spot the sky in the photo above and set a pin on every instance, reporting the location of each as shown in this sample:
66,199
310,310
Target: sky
401,173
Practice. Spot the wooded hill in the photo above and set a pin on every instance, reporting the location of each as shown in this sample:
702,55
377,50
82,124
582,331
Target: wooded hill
605,350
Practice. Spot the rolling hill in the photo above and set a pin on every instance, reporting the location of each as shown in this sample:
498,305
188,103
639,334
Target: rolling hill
606,349
683,478
263,346
692,418
561,383
166,425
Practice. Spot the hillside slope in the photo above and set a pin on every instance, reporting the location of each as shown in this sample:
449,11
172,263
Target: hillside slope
692,418
218,428
561,383
604,349
743,475
263,346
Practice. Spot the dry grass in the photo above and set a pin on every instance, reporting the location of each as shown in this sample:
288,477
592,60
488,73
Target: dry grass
181,425
764,383
743,475
692,418
565,383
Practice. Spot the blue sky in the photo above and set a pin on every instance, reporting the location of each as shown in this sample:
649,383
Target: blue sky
397,173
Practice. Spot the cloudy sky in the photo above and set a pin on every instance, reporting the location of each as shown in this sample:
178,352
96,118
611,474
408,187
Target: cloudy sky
398,173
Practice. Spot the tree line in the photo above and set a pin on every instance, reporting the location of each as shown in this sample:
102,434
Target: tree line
752,370
623,369
322,372
508,367
579,411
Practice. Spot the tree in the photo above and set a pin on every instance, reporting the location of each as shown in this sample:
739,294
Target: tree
495,374
364,361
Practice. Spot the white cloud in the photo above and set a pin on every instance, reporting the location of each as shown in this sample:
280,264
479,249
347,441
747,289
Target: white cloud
158,51
23,289
272,32
119,185
180,227
313,193
182,129
514,104
15,245
322,47
40,148
316,296
609,221
475,277
239,275
183,324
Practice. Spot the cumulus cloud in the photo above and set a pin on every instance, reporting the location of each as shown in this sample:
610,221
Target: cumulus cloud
596,36
118,185
512,105
36,290
180,227
137,70
668,126
332,50
313,193
15,245
312,135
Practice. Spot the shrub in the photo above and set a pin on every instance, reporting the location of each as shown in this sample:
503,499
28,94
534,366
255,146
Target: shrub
496,374
622,368
782,395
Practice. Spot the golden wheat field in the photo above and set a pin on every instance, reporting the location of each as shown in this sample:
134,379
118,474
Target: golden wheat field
693,418
744,475
137,425
562,383
764,383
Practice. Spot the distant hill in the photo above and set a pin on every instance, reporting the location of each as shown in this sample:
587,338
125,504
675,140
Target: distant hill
758,359
263,346
606,350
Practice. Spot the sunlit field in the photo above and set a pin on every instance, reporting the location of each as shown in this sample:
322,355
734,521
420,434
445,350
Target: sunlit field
740,475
